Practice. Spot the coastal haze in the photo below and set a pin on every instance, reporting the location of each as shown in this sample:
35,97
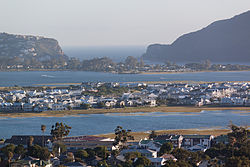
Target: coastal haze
116,53
111,22
119,29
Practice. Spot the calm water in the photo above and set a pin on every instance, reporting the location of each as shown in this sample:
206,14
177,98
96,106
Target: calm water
116,53
41,77
106,123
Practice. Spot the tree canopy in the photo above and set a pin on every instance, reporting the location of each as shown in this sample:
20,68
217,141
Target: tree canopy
60,130
166,148
122,136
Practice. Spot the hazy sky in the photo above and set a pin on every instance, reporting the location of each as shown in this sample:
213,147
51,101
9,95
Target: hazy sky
113,22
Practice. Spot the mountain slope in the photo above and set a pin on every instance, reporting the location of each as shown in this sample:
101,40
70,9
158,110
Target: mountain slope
222,41
29,51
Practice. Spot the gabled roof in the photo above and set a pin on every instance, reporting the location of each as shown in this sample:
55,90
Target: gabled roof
197,147
221,138
145,141
22,139
156,159
168,156
143,151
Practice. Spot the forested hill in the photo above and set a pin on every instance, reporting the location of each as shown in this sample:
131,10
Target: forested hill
222,41
30,52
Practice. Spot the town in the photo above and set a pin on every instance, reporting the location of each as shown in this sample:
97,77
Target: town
156,150
119,95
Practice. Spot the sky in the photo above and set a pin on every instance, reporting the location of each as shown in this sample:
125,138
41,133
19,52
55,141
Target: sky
114,22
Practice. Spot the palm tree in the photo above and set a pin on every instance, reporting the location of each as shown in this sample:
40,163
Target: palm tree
10,156
43,128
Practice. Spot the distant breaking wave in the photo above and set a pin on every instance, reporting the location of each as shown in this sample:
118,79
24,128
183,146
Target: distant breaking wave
48,76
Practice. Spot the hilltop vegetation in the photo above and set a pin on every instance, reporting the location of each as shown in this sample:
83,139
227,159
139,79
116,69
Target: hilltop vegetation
27,52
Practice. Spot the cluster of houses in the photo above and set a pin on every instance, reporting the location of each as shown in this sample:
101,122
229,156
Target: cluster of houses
139,94
215,94
147,147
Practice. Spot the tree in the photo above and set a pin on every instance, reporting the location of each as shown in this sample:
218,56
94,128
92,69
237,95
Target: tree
58,146
8,148
131,62
100,105
90,152
70,157
152,135
170,163
44,154
43,128
168,63
102,164
239,135
131,156
122,136
20,150
212,152
166,148
207,64
33,151
10,156
114,153
142,162
60,130
195,157
181,154
85,106
81,154
236,153
238,162
69,107
101,151
141,63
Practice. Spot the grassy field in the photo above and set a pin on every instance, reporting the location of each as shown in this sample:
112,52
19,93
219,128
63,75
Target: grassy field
121,110
142,135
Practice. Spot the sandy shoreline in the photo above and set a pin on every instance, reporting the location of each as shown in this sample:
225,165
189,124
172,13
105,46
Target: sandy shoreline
164,109
146,72
216,131
188,72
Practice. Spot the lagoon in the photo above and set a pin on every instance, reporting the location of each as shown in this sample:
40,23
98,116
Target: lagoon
90,124
30,78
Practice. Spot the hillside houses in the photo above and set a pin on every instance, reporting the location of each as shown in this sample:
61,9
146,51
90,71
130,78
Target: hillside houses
97,149
136,94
